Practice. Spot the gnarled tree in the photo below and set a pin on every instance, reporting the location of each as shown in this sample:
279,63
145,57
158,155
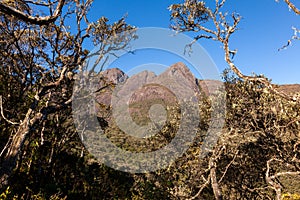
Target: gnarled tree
215,24
40,54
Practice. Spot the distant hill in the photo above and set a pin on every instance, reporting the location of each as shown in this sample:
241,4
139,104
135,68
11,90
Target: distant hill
178,72
290,88
148,86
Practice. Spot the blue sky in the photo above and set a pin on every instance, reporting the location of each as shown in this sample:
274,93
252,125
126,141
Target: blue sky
265,27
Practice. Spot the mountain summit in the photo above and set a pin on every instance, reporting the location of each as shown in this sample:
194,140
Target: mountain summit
145,89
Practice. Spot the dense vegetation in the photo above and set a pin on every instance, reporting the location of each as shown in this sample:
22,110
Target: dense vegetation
42,156
261,132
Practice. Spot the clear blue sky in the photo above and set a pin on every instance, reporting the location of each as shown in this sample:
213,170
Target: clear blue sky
265,27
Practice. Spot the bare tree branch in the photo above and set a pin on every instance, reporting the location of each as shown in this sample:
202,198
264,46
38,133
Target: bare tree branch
227,167
206,184
292,6
294,37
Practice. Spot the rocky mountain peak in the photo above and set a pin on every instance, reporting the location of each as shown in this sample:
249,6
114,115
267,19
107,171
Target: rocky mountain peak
180,72
146,88
114,75
179,67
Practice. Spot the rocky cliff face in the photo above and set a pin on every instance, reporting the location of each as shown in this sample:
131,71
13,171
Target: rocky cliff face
109,77
114,75
145,89
176,82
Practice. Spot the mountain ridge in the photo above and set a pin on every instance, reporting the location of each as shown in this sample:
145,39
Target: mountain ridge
178,72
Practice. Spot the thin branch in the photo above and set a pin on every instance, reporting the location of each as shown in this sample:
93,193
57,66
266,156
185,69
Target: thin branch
6,145
289,42
188,47
207,182
2,114
275,186
270,179
40,3
227,167
214,181
294,37
61,77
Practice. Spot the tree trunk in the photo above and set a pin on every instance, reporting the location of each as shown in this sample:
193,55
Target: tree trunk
9,162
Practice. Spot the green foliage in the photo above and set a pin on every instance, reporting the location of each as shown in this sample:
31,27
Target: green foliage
259,125
5,194
290,197
36,68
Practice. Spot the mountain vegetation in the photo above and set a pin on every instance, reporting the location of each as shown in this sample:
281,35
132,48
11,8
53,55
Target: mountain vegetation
42,156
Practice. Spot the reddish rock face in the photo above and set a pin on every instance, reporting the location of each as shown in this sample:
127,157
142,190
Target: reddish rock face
176,82
208,87
147,86
114,75
145,89
109,77
181,72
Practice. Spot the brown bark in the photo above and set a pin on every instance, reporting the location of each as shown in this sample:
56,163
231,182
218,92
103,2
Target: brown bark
31,19
14,150
292,6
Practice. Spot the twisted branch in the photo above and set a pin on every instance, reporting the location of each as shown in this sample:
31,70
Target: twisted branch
8,10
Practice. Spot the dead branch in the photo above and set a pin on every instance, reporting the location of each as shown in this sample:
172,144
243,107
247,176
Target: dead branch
214,181
270,180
